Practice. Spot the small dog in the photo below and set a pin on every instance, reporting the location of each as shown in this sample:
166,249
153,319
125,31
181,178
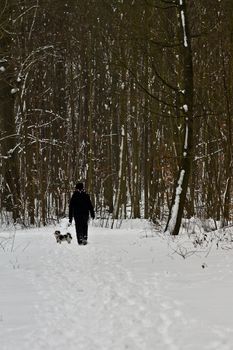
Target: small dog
61,238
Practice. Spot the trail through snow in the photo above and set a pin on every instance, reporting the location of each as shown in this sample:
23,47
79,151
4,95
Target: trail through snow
124,290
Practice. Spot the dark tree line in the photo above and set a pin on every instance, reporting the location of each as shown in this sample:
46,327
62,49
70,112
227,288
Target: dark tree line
132,96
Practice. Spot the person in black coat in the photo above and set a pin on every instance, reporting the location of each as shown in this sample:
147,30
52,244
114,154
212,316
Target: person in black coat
79,209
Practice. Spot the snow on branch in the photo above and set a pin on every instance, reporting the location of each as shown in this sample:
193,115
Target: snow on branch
183,24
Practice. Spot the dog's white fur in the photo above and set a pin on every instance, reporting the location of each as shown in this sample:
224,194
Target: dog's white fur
61,238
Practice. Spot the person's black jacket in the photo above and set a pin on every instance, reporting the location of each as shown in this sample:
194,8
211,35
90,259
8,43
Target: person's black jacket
80,206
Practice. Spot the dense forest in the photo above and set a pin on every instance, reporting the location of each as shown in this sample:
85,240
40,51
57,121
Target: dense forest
133,97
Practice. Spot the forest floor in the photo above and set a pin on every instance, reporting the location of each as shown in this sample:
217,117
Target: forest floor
129,288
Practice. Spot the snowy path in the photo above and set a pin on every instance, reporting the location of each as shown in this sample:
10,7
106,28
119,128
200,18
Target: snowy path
121,291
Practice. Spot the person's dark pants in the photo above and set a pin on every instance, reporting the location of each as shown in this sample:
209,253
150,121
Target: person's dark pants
81,226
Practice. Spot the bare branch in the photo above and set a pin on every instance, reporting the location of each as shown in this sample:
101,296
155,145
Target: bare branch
22,14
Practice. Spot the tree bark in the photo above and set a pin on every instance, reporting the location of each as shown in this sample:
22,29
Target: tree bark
181,184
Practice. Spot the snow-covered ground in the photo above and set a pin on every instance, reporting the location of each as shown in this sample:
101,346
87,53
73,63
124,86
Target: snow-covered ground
129,288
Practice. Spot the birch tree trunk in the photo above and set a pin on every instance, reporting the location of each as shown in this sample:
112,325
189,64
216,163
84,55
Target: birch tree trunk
181,184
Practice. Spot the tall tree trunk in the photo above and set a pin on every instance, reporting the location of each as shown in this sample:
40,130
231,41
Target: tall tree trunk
11,192
181,184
